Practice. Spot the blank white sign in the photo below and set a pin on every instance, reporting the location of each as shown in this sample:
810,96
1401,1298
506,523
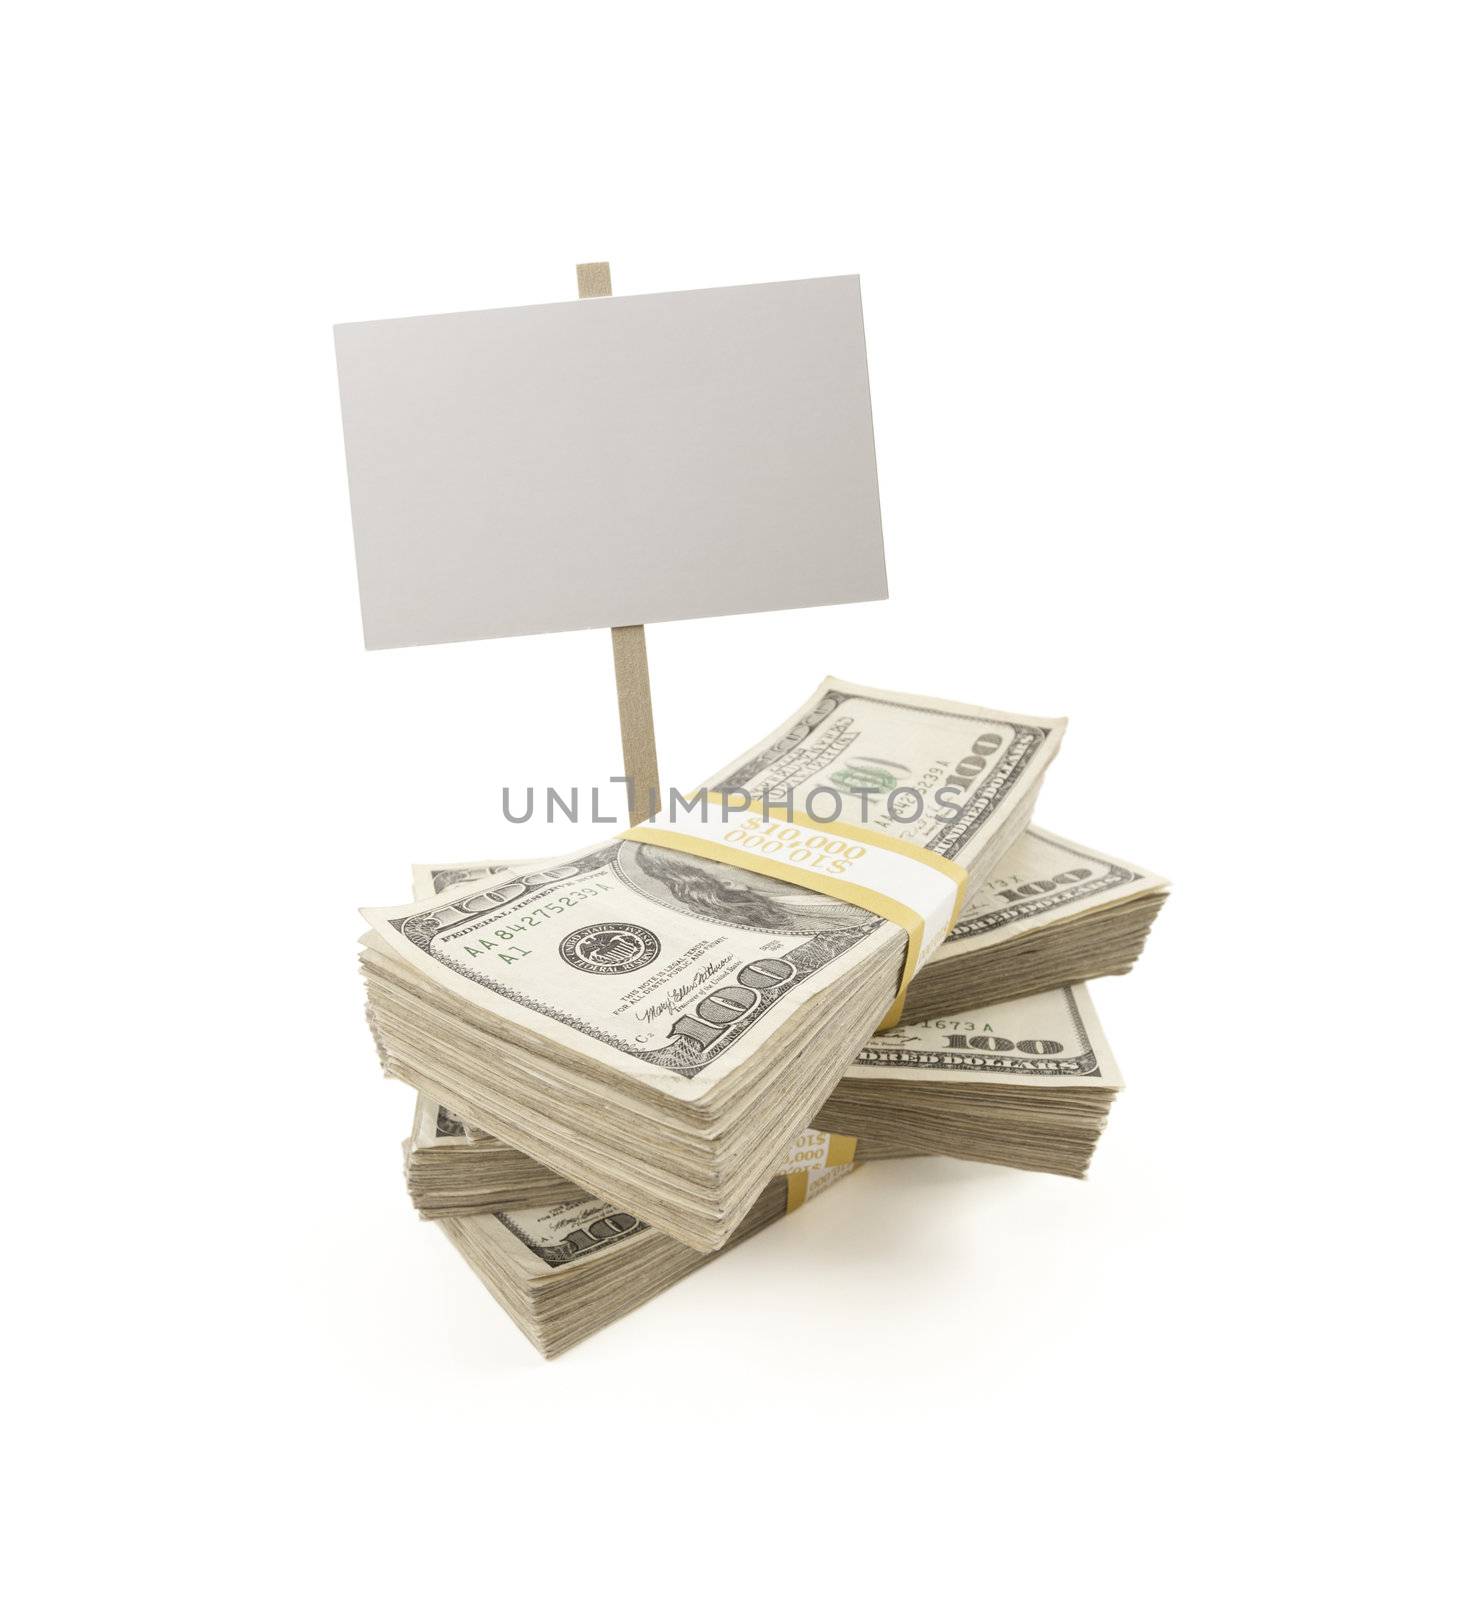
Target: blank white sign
603,462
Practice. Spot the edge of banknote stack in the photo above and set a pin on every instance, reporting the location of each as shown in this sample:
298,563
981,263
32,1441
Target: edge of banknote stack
674,1029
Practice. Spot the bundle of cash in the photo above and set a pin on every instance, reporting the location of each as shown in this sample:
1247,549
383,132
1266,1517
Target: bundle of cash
454,1170
1024,1083
563,1271
1027,1083
1053,913
657,1027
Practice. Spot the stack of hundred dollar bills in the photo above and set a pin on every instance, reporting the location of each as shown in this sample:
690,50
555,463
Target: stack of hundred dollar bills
630,1057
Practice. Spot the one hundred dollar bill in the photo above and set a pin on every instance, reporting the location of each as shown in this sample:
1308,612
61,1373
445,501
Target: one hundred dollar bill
1044,1039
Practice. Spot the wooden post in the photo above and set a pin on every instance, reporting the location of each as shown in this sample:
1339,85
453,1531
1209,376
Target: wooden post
629,649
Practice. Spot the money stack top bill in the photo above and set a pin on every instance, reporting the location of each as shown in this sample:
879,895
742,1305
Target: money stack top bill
658,1026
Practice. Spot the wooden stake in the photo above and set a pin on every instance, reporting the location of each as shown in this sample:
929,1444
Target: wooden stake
629,649
594,279
635,713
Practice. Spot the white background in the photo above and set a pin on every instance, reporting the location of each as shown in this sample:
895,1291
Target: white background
1159,301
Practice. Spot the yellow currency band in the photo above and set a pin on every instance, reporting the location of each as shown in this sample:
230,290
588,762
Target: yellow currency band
841,1153
842,1150
881,905
871,836
872,900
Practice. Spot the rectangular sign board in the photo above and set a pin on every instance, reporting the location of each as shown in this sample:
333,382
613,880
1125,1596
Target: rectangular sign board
611,461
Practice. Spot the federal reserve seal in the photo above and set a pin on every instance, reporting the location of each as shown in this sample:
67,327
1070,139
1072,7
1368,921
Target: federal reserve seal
612,947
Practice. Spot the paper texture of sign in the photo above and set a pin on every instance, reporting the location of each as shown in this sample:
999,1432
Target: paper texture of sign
610,461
